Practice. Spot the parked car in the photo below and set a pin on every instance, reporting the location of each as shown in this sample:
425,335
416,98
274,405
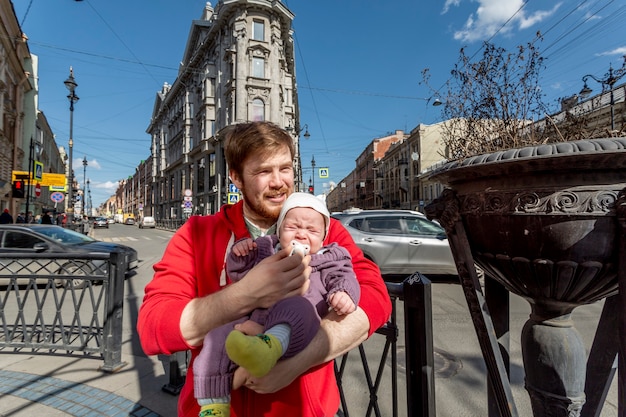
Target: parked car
100,222
111,220
401,242
40,238
147,221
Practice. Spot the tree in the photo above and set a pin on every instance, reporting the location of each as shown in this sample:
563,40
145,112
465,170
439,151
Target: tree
497,103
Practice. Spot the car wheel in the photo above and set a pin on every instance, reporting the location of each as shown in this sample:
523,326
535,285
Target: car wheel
76,269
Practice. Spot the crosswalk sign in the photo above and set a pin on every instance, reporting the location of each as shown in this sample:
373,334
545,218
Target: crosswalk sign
323,172
233,198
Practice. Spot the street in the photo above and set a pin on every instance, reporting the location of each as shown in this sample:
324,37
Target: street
459,368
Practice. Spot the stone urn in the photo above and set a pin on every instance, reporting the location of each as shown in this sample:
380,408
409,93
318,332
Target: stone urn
547,223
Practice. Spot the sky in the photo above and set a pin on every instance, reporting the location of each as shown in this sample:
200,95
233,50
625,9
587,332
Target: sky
358,67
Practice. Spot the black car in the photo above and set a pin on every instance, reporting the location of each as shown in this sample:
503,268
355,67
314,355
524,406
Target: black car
44,238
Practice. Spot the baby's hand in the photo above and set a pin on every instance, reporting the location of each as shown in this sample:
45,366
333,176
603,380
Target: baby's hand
243,247
297,247
342,303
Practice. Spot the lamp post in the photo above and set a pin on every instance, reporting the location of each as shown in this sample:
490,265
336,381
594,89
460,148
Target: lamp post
313,174
88,201
71,85
85,185
609,80
296,130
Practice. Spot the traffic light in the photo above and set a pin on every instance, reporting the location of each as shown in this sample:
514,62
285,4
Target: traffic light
311,189
18,189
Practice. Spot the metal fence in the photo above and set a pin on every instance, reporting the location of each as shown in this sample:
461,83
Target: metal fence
59,304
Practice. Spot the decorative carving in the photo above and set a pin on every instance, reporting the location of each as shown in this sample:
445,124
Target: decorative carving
573,201
445,209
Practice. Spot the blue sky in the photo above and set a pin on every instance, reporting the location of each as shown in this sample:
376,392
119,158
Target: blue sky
358,66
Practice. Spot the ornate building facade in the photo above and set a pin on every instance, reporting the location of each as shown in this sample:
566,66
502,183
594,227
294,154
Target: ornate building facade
238,66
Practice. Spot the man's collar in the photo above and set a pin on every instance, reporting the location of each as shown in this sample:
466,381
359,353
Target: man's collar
256,231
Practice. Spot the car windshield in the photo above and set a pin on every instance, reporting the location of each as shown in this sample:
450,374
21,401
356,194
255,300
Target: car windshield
69,237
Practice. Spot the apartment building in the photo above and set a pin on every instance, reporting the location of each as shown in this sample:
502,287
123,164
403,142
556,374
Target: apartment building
238,66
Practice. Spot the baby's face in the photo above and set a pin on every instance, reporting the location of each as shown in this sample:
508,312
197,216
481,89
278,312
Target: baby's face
305,226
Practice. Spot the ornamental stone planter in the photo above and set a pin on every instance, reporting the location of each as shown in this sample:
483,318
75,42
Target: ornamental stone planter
548,224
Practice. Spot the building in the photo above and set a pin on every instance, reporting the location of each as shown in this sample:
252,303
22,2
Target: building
238,66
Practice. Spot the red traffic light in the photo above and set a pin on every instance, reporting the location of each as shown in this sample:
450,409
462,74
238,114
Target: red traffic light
311,189
18,189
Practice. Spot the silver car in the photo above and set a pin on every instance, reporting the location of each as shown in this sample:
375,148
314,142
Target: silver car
401,242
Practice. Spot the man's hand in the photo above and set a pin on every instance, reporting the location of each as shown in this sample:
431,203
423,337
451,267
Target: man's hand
276,277
279,377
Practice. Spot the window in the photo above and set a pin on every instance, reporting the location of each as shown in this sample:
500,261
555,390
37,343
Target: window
258,110
423,227
258,30
384,225
258,67
17,240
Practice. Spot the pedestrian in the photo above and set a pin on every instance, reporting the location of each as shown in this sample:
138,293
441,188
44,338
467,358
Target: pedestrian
5,217
46,218
290,324
190,293
20,218
29,218
86,225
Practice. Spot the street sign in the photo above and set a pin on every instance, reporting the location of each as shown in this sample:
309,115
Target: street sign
48,179
37,170
233,198
188,193
232,188
37,190
323,172
57,197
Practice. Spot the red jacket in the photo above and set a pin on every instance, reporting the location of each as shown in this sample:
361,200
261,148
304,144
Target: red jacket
198,250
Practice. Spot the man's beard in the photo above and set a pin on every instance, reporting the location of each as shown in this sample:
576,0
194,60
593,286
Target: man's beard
261,208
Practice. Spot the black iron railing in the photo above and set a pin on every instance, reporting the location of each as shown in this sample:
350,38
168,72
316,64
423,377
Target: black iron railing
51,303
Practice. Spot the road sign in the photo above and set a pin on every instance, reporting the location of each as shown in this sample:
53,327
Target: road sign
57,197
37,190
232,188
188,193
233,198
323,172
187,204
38,170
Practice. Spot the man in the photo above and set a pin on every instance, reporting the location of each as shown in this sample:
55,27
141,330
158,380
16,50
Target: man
46,218
5,217
190,293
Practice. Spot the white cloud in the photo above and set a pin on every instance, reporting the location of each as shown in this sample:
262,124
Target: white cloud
109,185
450,3
91,164
617,51
493,16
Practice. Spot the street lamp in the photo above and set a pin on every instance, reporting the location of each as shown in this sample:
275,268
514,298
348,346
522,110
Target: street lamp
84,184
609,80
71,85
313,175
298,166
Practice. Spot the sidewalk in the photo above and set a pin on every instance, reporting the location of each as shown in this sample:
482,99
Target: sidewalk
32,384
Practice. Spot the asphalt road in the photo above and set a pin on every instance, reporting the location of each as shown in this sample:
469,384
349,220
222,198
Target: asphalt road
459,368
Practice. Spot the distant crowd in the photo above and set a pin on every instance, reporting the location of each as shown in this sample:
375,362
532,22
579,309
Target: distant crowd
47,217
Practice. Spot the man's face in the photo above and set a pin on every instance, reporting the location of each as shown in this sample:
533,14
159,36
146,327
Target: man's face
266,182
